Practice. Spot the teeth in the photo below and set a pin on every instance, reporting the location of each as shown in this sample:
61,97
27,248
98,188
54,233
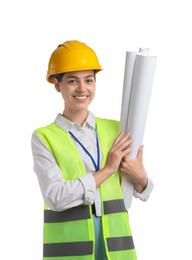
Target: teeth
81,97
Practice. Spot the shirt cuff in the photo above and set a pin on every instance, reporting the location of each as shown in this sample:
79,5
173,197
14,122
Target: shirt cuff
144,195
89,186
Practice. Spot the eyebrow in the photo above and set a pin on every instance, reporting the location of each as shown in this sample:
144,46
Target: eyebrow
75,77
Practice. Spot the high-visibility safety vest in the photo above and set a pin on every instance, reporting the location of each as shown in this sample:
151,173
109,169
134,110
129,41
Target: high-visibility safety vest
69,234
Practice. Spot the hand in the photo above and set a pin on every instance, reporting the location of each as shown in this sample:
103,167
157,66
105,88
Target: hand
120,147
134,170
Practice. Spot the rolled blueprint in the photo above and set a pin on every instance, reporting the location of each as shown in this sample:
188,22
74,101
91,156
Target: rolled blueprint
138,80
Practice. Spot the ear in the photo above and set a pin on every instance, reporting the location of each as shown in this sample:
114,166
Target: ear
56,84
57,87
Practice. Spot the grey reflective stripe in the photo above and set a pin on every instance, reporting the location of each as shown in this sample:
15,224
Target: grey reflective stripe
68,249
114,206
76,213
120,243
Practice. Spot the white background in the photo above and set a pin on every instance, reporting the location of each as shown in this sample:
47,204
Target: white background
30,31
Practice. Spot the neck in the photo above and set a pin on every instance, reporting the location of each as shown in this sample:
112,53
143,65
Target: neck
78,117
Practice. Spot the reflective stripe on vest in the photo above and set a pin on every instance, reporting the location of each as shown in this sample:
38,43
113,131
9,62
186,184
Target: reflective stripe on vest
73,230
82,212
76,213
114,206
68,249
86,248
120,243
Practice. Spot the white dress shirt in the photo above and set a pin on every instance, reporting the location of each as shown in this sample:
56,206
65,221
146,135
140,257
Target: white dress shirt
60,194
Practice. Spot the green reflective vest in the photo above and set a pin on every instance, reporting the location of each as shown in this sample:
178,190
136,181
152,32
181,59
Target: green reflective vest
69,234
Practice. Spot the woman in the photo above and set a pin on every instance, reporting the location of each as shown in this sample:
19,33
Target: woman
79,160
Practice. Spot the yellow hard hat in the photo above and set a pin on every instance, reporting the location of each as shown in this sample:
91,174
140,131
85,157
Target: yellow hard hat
72,56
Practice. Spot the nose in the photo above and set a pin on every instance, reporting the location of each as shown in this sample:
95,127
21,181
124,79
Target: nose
81,86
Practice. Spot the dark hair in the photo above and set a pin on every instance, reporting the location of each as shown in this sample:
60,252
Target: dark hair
60,75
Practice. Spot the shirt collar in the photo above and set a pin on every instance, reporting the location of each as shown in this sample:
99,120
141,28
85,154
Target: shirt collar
67,125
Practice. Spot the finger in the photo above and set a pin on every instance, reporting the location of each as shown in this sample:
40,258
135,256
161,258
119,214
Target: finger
122,136
126,151
126,156
140,153
124,141
118,138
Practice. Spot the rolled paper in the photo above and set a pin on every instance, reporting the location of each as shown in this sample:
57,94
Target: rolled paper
128,73
137,86
127,84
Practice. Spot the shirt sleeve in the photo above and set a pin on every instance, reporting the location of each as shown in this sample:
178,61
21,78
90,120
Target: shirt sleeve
59,194
144,195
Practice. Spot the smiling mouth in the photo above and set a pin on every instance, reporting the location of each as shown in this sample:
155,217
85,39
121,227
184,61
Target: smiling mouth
80,97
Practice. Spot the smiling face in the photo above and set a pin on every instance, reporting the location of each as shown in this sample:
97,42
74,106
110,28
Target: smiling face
77,89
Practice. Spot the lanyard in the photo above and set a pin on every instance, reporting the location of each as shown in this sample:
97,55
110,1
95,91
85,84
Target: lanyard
96,165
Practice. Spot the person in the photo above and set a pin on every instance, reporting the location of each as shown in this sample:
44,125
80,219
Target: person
79,160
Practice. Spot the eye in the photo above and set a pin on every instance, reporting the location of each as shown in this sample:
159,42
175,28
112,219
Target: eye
72,81
89,81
